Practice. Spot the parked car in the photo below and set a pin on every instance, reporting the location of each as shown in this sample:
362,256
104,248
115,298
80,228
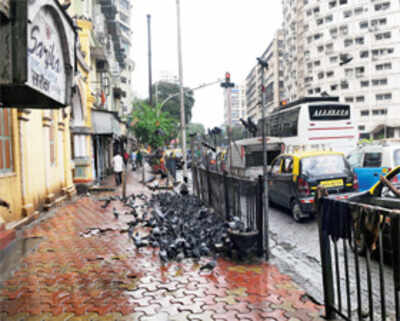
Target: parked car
371,161
379,195
294,177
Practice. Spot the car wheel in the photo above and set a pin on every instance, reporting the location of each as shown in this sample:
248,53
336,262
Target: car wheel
296,211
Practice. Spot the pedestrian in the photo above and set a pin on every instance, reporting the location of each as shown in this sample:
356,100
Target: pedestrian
171,164
126,158
118,165
133,160
139,158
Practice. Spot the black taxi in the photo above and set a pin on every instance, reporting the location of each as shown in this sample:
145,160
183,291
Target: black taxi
293,179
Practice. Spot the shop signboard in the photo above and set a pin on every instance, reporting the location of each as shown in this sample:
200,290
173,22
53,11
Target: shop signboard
42,51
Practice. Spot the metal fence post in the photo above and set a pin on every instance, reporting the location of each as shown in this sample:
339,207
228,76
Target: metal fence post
226,197
395,234
260,216
326,264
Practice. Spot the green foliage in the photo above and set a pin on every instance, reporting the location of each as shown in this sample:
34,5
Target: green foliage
195,128
151,125
162,90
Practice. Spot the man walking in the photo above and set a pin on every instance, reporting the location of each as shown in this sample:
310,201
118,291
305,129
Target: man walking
118,164
133,160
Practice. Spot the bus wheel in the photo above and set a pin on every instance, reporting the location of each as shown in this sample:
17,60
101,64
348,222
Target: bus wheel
296,211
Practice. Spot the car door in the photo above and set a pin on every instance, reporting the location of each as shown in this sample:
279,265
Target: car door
368,175
284,182
272,180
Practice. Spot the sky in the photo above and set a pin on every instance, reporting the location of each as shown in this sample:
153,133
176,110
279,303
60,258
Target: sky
218,36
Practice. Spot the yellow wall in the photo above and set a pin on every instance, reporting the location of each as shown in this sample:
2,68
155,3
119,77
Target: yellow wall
10,187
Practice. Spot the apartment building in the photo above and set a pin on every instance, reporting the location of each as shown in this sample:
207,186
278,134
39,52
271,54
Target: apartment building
273,79
238,109
318,33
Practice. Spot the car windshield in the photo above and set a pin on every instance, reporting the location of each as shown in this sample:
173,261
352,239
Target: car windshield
323,165
397,157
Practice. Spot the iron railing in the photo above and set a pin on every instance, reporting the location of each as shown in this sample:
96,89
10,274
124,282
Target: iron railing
360,257
232,196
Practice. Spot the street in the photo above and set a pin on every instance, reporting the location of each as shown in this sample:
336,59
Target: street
295,249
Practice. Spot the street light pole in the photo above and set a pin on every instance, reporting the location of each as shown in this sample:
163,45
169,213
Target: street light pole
150,68
183,123
264,65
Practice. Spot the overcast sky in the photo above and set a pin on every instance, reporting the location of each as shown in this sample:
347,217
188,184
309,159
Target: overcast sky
217,36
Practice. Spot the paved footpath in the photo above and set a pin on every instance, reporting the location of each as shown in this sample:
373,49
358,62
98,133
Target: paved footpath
77,273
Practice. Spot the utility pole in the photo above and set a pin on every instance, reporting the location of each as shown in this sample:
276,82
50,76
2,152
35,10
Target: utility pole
227,84
150,69
182,97
264,65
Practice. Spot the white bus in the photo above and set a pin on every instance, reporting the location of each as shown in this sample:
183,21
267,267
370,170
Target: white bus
315,122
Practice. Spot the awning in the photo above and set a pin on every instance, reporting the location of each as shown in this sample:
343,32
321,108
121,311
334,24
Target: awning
387,123
105,123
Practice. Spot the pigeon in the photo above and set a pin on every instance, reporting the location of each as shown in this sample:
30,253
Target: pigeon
163,256
209,266
116,214
106,203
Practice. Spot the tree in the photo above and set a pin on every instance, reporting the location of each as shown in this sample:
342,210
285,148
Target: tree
151,125
163,90
195,128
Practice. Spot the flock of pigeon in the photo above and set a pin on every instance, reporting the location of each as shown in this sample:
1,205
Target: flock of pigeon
179,224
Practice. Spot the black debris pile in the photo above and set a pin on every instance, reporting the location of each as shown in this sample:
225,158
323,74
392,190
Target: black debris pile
182,227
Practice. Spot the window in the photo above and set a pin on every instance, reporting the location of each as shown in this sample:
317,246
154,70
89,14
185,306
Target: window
316,10
328,19
372,159
359,40
382,6
333,59
349,99
320,48
365,113
318,36
386,96
309,12
348,42
385,66
6,162
364,54
320,21
377,112
334,87
379,22
309,39
310,91
276,166
358,11
361,127
379,82
332,4
364,83
383,35
344,85
330,74
333,32
360,71
347,14
342,2
329,47
363,24
360,99
317,63
317,90
344,30
348,72
52,133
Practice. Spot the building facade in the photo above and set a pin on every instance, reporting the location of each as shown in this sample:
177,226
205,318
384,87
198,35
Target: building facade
317,34
238,109
273,80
